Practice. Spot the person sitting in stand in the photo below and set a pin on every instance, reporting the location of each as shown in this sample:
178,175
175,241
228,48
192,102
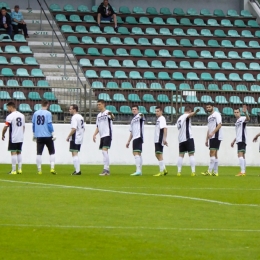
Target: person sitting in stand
18,22
6,22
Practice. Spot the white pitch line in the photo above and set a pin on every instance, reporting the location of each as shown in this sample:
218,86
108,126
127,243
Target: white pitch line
125,227
133,193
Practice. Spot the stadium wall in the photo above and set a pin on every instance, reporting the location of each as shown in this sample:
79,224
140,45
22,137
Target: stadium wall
119,154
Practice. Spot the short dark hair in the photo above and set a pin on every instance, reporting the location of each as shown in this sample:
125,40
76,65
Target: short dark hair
102,101
133,106
44,103
187,109
75,107
10,104
237,108
158,107
16,6
209,104
4,8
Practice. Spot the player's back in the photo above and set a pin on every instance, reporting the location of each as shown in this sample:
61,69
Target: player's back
41,119
104,123
16,122
77,122
184,127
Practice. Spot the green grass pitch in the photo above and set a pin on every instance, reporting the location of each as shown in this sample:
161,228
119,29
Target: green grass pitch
126,217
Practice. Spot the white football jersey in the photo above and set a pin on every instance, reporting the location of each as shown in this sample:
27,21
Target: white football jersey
137,126
184,127
159,129
241,134
77,122
104,124
16,123
213,120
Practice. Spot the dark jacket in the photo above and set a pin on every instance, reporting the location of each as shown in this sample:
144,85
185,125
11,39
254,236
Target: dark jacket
8,19
102,10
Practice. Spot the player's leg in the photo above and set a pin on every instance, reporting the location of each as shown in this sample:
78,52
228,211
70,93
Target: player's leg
12,148
241,158
105,144
215,168
40,146
159,156
19,157
50,145
182,151
137,152
191,151
213,143
74,149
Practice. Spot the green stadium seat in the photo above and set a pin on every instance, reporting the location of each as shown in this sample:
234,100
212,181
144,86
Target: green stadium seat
99,63
178,11
12,83
7,72
72,39
137,30
116,40
156,64
4,95
106,74
255,111
205,99
151,10
232,13
55,8
247,33
184,86
185,65
119,20
212,22
163,76
141,85
213,43
128,64
172,21
134,98
158,20
220,33
199,86
192,11
205,12
126,85
150,53
248,55
22,73
109,30
55,108
240,44
181,110
19,38
3,60
25,108
227,87
192,32
220,76
19,95
113,63
34,96
241,66
112,109
97,84
178,54
192,54
213,87
165,11
76,18
156,85
85,63
253,44
157,41
199,43
94,8
185,21
27,83
228,111
104,96
165,31
164,53
10,49
178,76
144,20
219,13
178,99
235,100
78,51
124,10
239,23
43,83
254,66
233,55
199,22
121,52
61,18
171,64
233,33
169,110
221,100
206,32
241,87
202,111
142,64
142,110
134,75
253,23
163,98
112,85
234,77
81,29
199,65
91,74
206,54
119,74
206,76
171,42
178,32
143,41
227,44
101,40
107,52
129,41
69,8
123,30
138,10
248,77
83,8
245,13
131,20
94,29
213,65
136,53
149,75
185,43
170,86
151,31
125,110
227,65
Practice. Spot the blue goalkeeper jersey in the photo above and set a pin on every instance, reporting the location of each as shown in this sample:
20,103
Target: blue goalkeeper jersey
42,123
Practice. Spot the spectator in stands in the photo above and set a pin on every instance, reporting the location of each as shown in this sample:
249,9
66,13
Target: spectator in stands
6,21
106,13
18,22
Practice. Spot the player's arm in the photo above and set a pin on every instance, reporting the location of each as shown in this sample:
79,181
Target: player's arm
4,131
111,115
95,134
247,116
129,140
232,144
51,130
215,130
207,139
193,113
256,137
165,136
72,132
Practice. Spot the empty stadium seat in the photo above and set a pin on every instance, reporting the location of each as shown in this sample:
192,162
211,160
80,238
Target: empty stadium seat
25,108
134,75
78,51
234,77
83,8
241,66
116,40
165,31
69,8
81,29
12,83
156,85
104,96
165,11
76,18
3,60
172,21
156,64
227,44
123,30
106,74
27,83
136,53
7,72
199,65
221,100
113,63
4,95
228,111
206,76
170,86
184,86
227,87
97,84
185,65
19,95
125,110
112,109
138,10
43,83
49,96
163,98
213,65
158,20
87,40
199,86
171,64
91,74
55,108
107,52
149,75
134,98
85,62
192,11
199,22
150,53
157,41
101,40
137,30
37,73
119,97
171,42
99,63
22,73
178,76
235,100
34,96
151,10
120,74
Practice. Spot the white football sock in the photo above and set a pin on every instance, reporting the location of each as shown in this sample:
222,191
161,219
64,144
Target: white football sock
179,163
76,163
216,165
19,161
245,164
211,163
14,159
52,160
138,163
39,162
105,160
161,166
141,162
192,163
242,164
